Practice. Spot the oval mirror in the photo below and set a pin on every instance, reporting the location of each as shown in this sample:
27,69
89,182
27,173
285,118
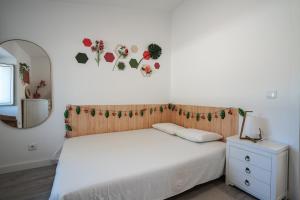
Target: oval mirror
25,84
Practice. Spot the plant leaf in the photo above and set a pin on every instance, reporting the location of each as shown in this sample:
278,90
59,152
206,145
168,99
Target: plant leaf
78,110
209,116
107,114
241,112
66,114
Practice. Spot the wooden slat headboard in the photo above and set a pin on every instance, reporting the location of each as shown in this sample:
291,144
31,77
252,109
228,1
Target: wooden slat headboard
92,119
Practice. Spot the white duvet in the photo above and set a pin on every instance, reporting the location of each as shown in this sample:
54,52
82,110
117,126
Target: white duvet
134,165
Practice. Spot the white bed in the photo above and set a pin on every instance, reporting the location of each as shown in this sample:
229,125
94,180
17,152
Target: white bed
143,164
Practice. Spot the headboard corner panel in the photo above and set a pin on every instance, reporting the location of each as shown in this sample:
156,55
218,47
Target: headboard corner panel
92,119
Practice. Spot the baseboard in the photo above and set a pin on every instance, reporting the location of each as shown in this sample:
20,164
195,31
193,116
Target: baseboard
26,165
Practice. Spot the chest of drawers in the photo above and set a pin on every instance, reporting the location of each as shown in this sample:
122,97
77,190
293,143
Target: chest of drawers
260,168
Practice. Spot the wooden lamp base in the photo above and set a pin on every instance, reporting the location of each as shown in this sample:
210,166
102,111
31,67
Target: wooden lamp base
252,139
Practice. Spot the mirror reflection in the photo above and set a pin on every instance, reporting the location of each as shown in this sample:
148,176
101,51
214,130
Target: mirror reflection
25,84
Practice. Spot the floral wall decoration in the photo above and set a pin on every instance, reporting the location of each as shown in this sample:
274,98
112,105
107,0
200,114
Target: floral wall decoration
146,70
98,47
156,65
134,49
154,51
109,57
81,58
133,63
120,53
121,66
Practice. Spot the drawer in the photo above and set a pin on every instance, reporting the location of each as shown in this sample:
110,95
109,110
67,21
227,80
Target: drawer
250,158
250,185
250,170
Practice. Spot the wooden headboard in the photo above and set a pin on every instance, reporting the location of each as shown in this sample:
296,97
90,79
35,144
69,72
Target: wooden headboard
92,119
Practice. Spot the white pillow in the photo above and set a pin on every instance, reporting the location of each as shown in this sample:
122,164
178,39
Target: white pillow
169,128
196,135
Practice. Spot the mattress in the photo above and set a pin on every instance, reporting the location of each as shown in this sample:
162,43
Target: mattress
144,164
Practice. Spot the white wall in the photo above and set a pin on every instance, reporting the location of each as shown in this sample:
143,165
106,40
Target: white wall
230,53
59,28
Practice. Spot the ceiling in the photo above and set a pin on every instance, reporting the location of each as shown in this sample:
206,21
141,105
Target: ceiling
162,5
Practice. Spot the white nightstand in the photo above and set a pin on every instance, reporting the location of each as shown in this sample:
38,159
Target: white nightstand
260,169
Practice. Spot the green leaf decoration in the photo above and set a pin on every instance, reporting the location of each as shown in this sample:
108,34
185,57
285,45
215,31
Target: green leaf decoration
106,114
188,115
68,127
161,109
151,111
133,63
155,51
77,110
169,106
93,112
121,66
222,114
173,107
209,117
198,116
242,112
142,113
119,114
66,114
130,114
180,111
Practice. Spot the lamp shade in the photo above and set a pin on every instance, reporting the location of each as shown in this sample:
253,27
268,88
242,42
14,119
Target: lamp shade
252,126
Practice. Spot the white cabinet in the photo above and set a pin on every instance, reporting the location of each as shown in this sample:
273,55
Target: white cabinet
260,169
34,111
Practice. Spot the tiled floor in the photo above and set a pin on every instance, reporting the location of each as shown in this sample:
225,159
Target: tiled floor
35,184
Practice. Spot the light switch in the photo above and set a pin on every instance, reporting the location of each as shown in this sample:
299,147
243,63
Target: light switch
272,94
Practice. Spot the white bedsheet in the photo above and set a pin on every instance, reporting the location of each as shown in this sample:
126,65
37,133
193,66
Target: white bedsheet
134,165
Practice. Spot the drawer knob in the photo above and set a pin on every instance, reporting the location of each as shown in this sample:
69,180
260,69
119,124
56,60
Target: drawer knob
247,170
247,183
247,158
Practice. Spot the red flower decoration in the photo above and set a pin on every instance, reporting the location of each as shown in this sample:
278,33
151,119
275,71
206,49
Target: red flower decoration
230,112
157,65
87,42
146,55
109,57
147,69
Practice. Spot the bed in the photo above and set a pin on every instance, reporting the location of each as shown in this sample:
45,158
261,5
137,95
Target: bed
144,164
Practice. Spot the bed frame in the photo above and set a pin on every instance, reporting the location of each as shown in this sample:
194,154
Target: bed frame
92,118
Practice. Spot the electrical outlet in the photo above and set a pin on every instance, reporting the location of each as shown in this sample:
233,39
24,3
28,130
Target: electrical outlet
32,147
